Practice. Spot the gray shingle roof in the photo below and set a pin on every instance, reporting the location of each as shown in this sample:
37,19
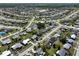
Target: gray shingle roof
61,52
67,46
6,41
34,36
70,40
39,51
17,45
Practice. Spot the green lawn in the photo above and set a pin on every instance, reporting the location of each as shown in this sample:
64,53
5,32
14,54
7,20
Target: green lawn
3,48
71,51
65,33
26,36
51,51
58,43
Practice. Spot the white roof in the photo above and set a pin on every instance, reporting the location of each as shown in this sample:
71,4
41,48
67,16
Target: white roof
73,36
67,45
17,45
42,10
25,41
56,35
6,53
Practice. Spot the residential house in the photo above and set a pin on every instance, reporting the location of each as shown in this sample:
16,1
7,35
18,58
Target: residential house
16,37
29,29
7,30
73,36
34,27
6,53
39,52
25,42
6,41
34,38
23,33
61,52
70,41
16,46
67,46
57,35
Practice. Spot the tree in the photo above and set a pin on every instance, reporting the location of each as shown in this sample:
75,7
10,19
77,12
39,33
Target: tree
35,47
8,47
59,48
39,45
41,25
54,46
44,49
63,38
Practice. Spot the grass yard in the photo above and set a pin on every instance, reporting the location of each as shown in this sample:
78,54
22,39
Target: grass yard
3,48
51,51
71,51
26,36
58,43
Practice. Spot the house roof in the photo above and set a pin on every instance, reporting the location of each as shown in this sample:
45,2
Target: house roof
15,36
39,51
34,26
23,33
61,52
70,40
29,29
6,53
56,35
73,36
25,41
67,45
34,36
17,45
6,41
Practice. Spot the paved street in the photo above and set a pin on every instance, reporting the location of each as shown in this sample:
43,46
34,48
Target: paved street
12,27
13,20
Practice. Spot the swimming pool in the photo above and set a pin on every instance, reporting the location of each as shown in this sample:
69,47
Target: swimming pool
2,33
